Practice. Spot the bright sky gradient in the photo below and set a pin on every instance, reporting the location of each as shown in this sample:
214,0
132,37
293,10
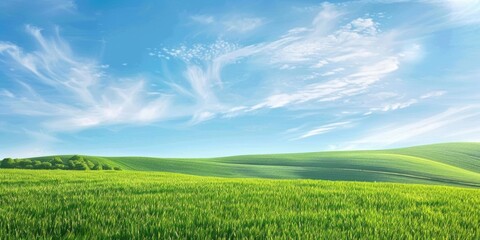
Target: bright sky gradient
215,78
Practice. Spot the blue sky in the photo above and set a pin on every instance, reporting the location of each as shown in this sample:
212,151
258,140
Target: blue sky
215,78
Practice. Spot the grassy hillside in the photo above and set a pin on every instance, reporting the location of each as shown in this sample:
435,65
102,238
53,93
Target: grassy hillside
45,204
462,155
451,163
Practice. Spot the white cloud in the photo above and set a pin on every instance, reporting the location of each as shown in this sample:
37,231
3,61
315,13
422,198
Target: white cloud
201,117
400,105
324,19
461,11
200,83
332,90
235,111
323,129
351,57
199,52
320,64
203,66
450,119
80,94
433,94
293,130
333,72
412,53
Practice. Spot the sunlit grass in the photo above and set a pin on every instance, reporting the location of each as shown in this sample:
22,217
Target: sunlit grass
56,204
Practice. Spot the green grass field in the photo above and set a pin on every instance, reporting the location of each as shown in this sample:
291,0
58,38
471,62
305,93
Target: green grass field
276,196
446,164
59,204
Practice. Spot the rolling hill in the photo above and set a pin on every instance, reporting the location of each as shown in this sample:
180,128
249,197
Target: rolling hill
448,163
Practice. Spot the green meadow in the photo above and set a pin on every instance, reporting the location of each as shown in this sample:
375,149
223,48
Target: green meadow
425,192
56,204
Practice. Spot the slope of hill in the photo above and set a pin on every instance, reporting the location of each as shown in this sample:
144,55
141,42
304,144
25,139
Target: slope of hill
449,163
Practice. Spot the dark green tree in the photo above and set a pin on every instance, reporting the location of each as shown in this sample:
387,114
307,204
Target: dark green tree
97,167
81,166
76,158
107,167
8,163
56,161
22,163
71,164
37,164
46,165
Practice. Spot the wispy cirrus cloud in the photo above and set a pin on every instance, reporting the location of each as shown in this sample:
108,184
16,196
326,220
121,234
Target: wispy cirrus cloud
80,94
335,89
338,61
323,129
395,106
461,11
393,103
433,94
455,12
410,132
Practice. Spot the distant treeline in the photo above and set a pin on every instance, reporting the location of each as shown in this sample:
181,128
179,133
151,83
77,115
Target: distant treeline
76,162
